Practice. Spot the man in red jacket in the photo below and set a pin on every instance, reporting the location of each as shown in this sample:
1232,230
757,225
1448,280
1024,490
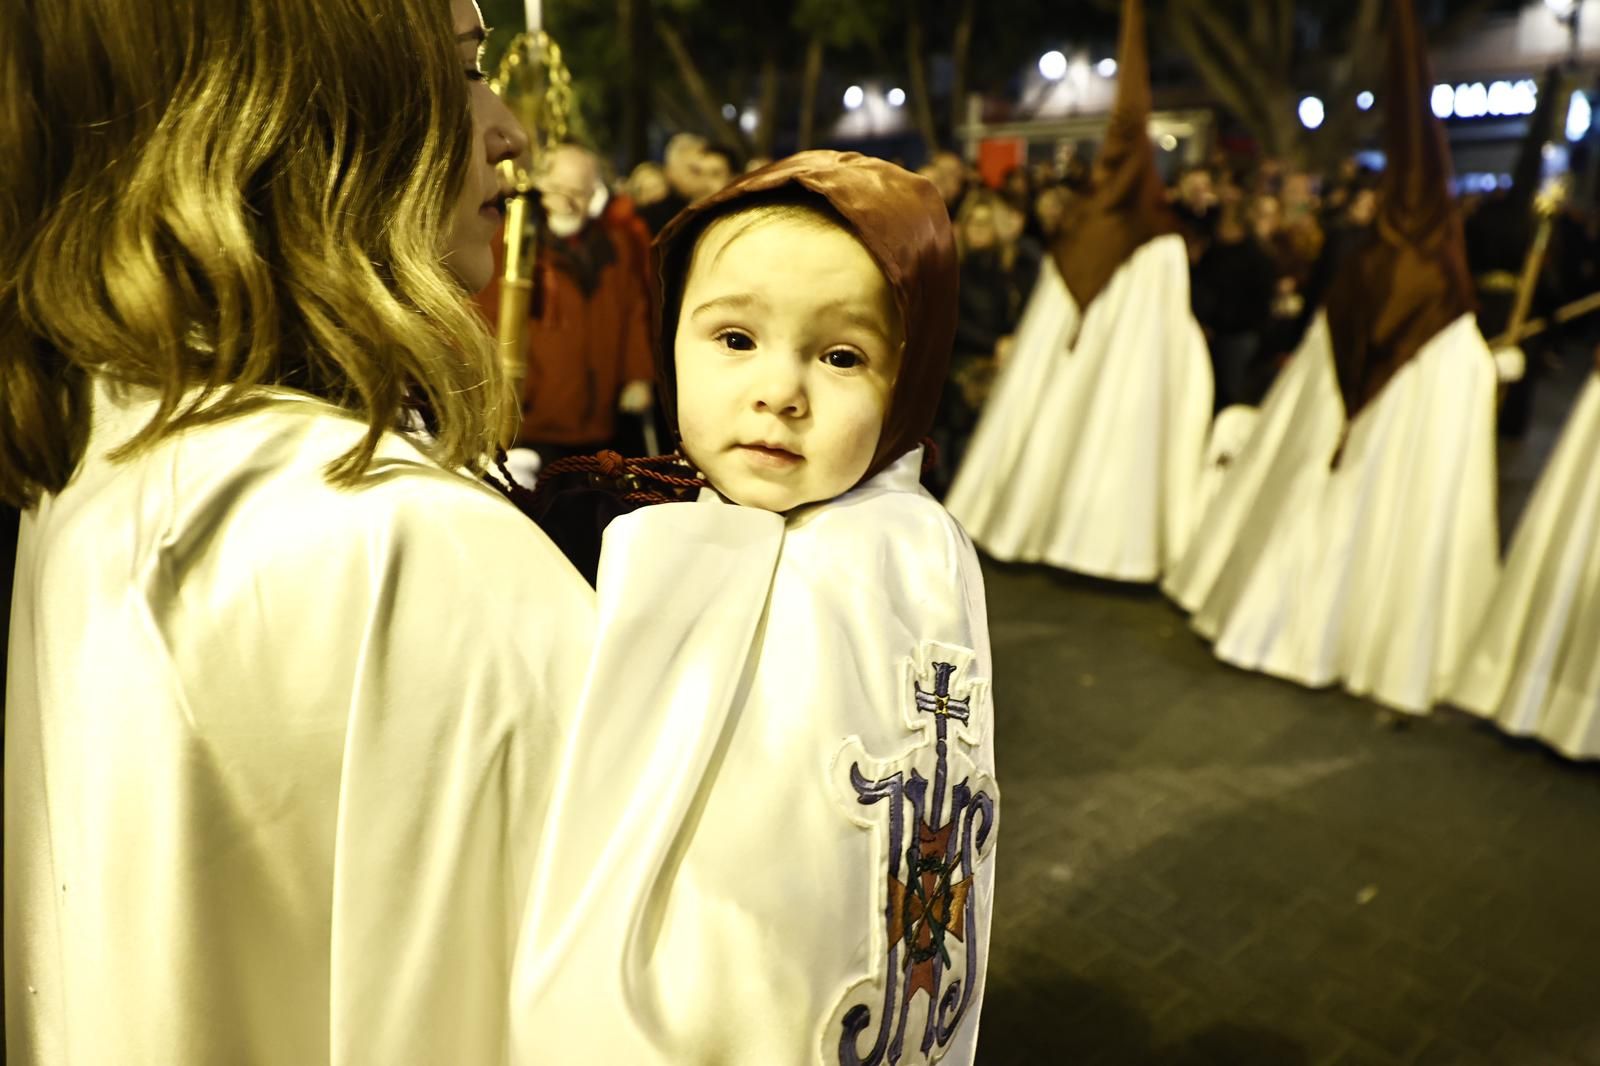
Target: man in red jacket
588,350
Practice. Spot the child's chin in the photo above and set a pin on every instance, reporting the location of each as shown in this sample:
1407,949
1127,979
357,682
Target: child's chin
777,503
765,497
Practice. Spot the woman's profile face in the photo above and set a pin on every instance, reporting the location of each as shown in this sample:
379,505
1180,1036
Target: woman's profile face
496,135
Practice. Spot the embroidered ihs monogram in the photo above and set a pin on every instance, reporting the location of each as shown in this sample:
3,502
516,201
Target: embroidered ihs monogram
939,832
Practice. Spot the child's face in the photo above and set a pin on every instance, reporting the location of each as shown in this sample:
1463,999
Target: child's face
787,350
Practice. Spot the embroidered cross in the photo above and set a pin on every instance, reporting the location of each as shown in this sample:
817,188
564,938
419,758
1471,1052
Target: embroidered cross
931,901
943,708
939,701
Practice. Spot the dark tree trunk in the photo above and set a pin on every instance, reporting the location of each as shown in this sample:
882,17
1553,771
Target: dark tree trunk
960,50
921,101
767,109
635,17
808,94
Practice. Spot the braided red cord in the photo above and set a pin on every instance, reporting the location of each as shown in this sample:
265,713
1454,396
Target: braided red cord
609,464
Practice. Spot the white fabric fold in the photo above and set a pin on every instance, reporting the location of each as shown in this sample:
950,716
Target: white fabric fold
1088,455
1279,469
1534,666
1374,572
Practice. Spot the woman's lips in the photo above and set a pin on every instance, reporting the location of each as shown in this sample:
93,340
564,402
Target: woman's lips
762,455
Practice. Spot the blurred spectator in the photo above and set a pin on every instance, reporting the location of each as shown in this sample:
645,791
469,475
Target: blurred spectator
1234,283
1017,185
983,331
1299,197
1196,203
646,185
588,350
716,168
1049,208
1020,253
1268,178
949,174
681,168
1264,216
1075,174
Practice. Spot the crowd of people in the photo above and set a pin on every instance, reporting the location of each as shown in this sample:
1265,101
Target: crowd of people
1264,242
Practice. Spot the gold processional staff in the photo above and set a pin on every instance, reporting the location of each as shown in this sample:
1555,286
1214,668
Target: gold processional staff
534,82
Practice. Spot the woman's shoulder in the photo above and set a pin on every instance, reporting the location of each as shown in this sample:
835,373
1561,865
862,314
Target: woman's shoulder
267,468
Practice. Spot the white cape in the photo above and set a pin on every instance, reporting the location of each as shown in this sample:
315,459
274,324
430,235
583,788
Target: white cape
1088,455
277,753
1535,665
1375,572
1279,468
781,715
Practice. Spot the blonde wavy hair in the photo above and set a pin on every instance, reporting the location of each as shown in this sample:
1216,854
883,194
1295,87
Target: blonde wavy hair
232,194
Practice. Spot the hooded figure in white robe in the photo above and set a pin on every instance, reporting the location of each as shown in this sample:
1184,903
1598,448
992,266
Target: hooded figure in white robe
1353,538
1534,667
772,841
1089,452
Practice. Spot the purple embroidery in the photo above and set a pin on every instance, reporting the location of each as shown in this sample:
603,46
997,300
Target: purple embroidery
931,900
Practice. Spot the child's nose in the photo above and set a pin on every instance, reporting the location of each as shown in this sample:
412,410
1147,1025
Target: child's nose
781,386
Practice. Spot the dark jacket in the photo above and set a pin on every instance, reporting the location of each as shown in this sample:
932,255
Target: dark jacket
1234,283
984,305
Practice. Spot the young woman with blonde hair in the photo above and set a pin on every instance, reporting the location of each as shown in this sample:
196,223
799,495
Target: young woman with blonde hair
285,681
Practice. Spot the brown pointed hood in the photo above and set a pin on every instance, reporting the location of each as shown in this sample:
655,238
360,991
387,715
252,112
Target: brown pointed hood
899,218
1126,205
1409,283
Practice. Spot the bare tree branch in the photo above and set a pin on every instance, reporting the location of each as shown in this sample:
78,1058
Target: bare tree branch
1250,98
705,101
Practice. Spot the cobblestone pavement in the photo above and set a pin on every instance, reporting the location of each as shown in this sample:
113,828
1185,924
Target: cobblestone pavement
1201,865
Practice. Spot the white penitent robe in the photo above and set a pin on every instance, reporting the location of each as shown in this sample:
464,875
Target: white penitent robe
1279,468
1534,667
1088,455
772,840
1374,572
276,753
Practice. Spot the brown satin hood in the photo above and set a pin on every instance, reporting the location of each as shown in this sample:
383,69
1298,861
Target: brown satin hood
899,218
1411,281
1126,205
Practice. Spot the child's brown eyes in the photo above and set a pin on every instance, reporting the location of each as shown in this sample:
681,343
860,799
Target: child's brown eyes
839,358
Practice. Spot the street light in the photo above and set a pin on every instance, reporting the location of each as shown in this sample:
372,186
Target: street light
1053,65
897,97
1312,112
1107,68
1580,116
1365,100
1444,101
853,97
